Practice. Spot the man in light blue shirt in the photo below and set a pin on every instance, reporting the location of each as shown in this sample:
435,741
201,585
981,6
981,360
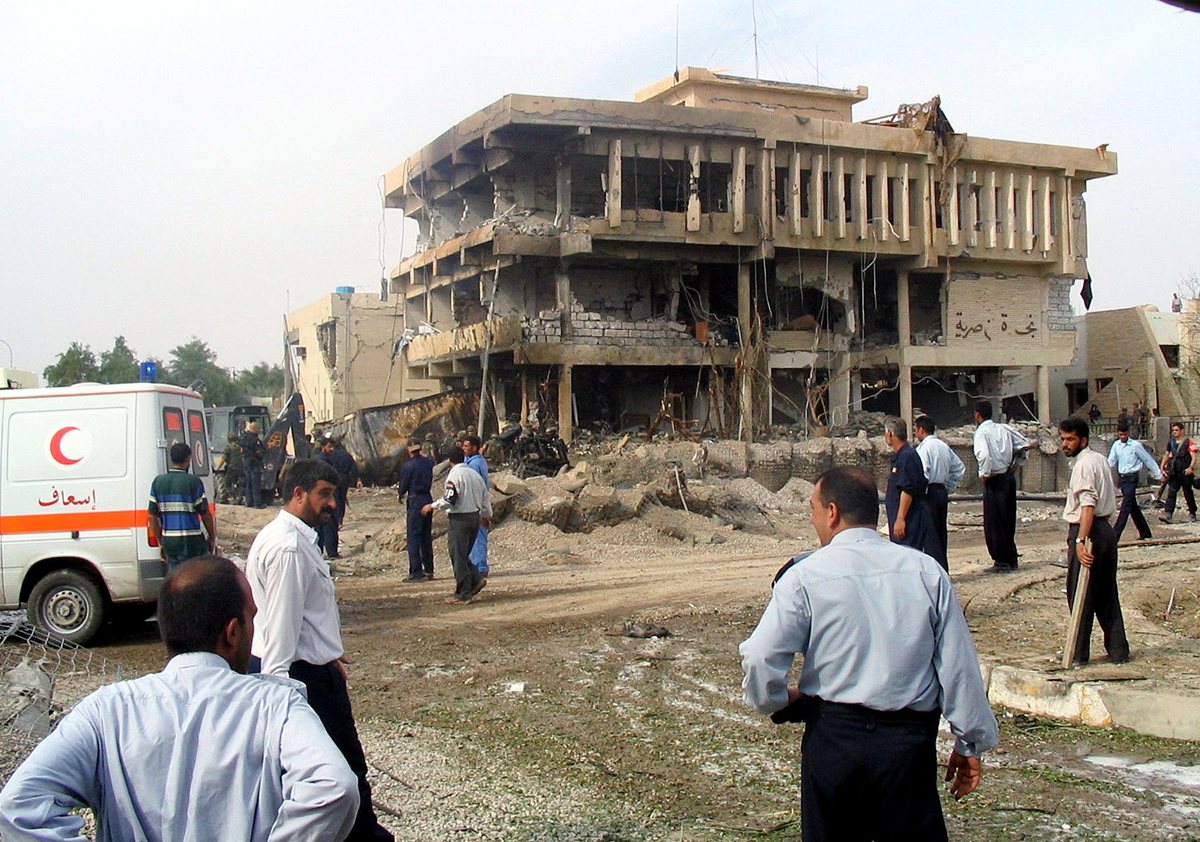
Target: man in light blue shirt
886,648
1128,456
198,751
943,472
472,447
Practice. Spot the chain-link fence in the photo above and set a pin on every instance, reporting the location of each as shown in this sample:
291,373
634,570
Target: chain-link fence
42,676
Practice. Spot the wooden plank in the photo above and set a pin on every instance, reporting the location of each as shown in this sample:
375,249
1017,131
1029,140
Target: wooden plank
739,190
1073,629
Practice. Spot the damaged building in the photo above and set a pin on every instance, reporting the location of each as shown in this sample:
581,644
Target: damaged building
730,253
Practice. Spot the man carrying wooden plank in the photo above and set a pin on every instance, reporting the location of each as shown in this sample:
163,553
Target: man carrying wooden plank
1091,543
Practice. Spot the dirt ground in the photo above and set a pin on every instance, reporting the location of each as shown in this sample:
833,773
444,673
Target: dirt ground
527,715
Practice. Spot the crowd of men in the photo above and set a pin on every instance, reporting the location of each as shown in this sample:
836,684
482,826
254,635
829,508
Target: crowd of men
253,707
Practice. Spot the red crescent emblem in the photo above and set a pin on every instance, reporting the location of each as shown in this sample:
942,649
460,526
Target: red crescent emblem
56,447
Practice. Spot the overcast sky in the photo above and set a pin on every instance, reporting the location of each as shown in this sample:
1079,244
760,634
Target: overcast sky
179,169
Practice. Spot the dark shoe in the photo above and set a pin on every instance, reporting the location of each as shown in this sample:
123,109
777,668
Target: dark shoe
1119,659
414,578
1164,518
454,600
479,585
1145,537
1192,517
429,576
1003,568
1159,504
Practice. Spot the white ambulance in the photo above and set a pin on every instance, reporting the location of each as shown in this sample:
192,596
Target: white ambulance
76,465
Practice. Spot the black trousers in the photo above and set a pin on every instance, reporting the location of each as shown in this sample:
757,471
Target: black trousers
1174,483
869,775
1130,508
327,534
939,508
1000,518
420,536
460,538
252,476
328,696
1101,601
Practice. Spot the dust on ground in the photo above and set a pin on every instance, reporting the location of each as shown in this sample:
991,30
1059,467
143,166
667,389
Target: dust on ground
527,715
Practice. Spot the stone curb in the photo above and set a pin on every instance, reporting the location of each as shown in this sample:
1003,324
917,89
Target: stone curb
1142,706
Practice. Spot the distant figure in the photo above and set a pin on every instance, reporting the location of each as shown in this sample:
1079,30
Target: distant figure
178,508
468,504
944,471
198,751
341,461
909,519
1128,456
472,447
253,451
430,448
1091,502
416,481
999,450
885,650
1176,303
1179,463
1094,413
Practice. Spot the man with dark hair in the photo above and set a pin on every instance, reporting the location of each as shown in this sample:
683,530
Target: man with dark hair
468,504
299,633
347,469
474,459
1179,463
1128,457
197,751
943,471
1091,542
999,450
416,483
908,516
886,650
178,507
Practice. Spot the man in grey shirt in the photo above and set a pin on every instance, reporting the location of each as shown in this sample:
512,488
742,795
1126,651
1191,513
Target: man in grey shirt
468,504
886,649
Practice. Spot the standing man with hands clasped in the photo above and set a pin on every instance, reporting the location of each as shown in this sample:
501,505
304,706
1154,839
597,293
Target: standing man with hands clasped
299,634
886,651
416,483
1091,542
999,450
944,471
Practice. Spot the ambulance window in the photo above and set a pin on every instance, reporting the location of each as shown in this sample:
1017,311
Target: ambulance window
173,426
199,443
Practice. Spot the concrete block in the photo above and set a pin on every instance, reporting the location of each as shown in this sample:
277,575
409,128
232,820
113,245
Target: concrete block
1172,715
1034,693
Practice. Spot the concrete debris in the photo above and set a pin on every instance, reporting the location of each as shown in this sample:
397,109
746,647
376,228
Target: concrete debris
643,631
25,701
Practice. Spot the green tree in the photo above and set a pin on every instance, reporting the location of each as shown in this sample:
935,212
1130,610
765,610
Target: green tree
264,380
118,365
77,364
195,361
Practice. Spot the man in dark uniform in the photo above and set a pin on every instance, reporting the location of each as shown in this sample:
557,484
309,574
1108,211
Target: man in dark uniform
342,462
416,481
253,451
909,520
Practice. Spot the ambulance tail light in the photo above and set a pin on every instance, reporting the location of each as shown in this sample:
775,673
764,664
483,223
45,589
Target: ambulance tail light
151,538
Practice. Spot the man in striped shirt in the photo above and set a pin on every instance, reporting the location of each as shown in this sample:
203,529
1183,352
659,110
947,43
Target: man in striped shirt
178,508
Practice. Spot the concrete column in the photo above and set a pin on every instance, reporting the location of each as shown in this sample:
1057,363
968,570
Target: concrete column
855,391
562,298
747,386
906,402
1043,395
566,421
496,389
840,397
903,312
524,397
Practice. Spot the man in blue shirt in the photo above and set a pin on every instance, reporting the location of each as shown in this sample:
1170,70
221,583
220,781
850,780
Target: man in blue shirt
476,461
885,649
1128,456
909,519
178,508
416,483
198,751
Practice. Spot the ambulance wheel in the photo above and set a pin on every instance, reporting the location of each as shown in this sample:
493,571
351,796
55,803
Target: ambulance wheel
67,603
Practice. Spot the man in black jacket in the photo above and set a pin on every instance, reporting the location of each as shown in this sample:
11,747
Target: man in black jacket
342,462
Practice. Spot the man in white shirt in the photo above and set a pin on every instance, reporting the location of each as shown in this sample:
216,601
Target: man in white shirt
1091,542
999,450
198,751
468,504
943,471
299,633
